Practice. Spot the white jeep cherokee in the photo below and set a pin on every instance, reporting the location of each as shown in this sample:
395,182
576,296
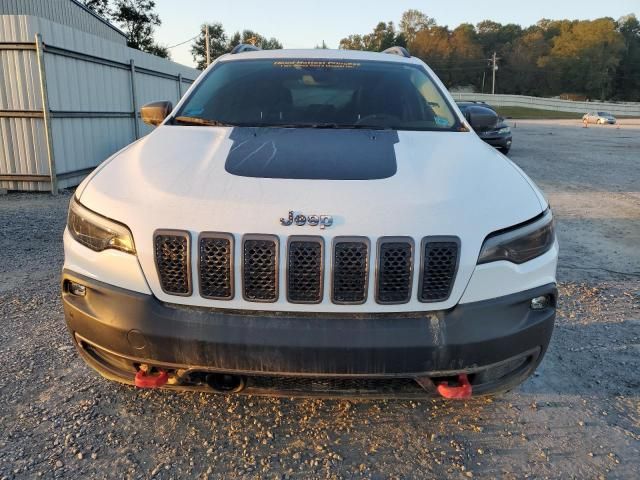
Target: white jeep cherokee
311,222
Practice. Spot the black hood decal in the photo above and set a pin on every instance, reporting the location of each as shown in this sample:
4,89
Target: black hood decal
312,153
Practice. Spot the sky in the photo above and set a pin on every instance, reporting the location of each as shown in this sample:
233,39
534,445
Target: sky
306,23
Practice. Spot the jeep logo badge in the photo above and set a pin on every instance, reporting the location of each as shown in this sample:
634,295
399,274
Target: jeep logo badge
312,220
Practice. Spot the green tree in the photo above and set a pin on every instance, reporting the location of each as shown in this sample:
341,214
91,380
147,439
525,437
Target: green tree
384,35
253,38
585,57
467,60
521,73
412,22
352,42
137,19
627,78
101,7
218,45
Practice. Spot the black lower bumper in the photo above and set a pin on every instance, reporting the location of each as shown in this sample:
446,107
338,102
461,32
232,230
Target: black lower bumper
118,329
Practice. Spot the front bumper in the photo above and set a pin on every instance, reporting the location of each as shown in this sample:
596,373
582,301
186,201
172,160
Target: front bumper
498,141
499,342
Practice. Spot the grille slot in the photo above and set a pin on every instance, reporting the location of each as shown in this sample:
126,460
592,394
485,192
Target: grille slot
260,268
439,267
395,270
172,251
305,269
215,260
350,270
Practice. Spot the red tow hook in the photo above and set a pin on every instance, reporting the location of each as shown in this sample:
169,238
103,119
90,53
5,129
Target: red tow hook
463,390
146,380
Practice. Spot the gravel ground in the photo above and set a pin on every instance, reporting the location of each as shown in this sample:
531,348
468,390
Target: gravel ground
578,417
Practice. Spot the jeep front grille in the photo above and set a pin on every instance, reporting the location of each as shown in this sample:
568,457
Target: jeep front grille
304,269
395,270
438,269
171,251
350,270
260,268
215,258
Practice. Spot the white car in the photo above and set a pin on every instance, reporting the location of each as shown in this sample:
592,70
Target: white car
599,118
312,222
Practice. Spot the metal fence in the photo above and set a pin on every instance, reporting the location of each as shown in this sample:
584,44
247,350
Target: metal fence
556,104
63,110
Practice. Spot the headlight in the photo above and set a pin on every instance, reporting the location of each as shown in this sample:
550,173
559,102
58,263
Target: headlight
97,232
520,244
504,130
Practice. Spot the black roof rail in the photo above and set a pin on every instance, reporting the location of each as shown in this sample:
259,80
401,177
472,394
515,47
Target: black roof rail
403,52
244,47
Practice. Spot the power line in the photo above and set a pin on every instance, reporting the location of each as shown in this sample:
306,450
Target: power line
182,43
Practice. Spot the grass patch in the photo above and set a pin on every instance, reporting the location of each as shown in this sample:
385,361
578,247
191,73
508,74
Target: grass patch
520,113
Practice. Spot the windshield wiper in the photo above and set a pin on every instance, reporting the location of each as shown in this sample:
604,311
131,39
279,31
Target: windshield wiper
200,121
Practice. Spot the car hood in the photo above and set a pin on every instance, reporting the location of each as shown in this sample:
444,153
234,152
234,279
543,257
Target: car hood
233,180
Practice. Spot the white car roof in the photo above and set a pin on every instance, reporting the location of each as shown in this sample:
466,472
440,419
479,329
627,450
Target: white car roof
320,54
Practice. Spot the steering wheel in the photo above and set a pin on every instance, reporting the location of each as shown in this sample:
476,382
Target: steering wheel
378,117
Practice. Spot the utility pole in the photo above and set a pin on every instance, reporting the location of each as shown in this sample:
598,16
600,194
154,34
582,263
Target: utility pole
207,43
494,68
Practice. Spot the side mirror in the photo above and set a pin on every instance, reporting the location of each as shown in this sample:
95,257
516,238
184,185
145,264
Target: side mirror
155,113
481,118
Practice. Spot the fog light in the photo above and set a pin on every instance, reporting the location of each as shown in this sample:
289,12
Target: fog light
77,289
539,303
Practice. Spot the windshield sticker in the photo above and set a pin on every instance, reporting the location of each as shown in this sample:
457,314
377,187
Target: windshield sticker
441,122
324,64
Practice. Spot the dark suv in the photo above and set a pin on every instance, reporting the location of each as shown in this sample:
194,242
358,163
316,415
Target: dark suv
497,135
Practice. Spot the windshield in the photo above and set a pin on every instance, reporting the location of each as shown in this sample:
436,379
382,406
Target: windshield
320,94
604,114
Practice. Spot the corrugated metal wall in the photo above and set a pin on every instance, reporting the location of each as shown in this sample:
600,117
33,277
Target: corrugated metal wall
65,12
90,99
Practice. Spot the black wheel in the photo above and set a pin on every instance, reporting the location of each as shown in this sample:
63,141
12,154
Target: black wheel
504,150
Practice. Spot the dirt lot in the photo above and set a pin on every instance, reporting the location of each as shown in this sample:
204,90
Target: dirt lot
578,417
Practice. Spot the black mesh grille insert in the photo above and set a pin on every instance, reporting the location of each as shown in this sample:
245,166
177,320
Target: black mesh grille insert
172,261
350,271
216,267
259,276
304,271
440,262
395,271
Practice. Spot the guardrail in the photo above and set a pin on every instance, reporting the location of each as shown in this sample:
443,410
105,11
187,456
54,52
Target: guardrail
503,100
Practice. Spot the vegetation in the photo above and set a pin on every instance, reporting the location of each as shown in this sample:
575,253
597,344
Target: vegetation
136,18
220,43
597,59
589,59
